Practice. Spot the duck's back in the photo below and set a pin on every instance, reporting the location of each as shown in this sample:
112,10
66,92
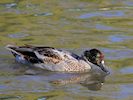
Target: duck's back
50,58
61,60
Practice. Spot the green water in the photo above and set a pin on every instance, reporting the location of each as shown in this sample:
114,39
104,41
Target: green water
74,25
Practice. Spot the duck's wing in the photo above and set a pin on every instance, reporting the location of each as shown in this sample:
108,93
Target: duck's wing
20,50
41,54
52,55
24,52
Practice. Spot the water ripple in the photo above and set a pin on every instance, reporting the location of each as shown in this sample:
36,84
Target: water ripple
115,54
103,27
129,3
119,38
117,13
11,5
44,14
126,90
18,35
127,70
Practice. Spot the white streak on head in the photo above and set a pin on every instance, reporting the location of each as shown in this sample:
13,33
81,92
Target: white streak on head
102,62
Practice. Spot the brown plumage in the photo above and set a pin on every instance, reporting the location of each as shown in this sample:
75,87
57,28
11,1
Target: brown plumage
57,60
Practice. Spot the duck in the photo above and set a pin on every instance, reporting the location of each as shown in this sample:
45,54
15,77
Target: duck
53,59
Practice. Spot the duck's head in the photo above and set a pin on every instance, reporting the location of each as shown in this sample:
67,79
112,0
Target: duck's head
96,57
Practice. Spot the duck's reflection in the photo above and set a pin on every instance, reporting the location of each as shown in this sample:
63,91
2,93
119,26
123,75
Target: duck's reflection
91,81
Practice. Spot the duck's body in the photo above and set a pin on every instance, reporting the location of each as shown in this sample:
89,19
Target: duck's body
50,58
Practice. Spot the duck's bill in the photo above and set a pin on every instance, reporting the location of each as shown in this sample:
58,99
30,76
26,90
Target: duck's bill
104,68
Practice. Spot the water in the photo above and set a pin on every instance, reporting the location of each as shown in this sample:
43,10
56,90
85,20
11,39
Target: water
103,14
74,25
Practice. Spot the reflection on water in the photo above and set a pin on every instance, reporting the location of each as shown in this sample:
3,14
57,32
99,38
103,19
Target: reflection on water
10,5
89,80
73,25
126,90
129,3
119,38
103,27
44,81
18,35
44,14
103,14
10,98
127,70
115,54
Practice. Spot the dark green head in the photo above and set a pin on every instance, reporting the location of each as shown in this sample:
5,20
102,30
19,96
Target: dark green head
96,57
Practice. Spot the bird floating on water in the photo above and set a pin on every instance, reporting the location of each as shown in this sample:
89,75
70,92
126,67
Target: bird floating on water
53,59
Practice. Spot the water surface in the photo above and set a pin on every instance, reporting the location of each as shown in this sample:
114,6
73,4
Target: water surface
73,25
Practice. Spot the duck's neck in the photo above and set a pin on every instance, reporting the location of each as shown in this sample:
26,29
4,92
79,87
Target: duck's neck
84,58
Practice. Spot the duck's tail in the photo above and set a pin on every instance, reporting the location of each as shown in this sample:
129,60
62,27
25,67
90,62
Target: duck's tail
12,49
